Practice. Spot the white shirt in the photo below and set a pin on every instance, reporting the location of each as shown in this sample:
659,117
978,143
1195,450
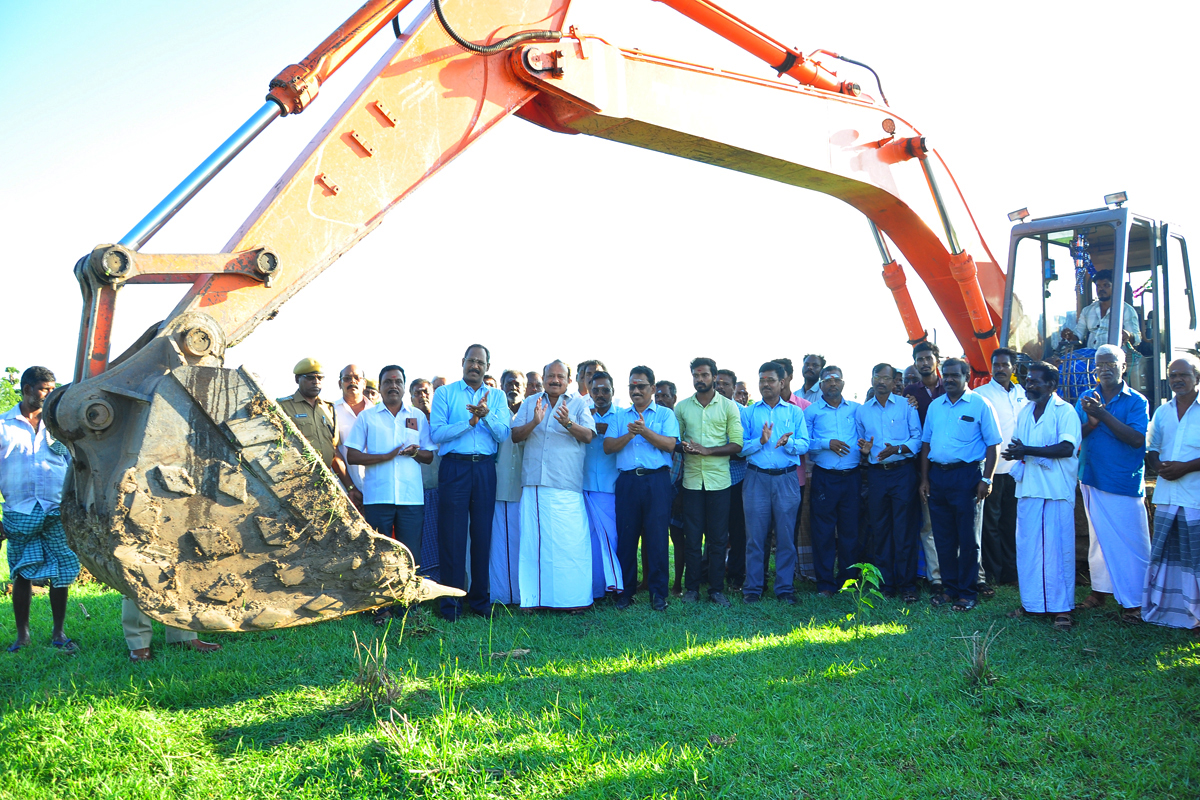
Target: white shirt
1049,478
1092,327
396,482
31,472
1007,405
1176,439
553,456
345,421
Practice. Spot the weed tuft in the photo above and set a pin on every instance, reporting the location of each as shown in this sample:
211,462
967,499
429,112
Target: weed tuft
979,669
375,682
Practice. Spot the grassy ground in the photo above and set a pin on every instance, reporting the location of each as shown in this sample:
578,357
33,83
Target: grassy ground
759,701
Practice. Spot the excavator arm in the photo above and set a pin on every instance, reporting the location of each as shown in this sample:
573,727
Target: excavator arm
189,490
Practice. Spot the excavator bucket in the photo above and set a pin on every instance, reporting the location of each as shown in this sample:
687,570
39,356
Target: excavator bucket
192,494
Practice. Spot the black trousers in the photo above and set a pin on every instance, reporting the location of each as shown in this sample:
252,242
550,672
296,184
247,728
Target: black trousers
705,513
893,547
466,496
999,539
735,567
643,513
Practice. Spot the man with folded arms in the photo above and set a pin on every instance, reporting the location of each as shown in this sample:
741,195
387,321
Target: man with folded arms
1045,443
643,436
599,491
889,438
775,438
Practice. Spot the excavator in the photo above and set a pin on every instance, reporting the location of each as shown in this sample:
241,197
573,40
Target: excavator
192,494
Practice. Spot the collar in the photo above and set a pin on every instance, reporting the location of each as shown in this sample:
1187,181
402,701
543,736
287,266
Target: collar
12,413
875,399
1175,398
650,409
821,402
299,398
763,403
966,397
381,408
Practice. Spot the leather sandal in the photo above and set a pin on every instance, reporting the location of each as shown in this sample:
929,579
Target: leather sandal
1093,600
1063,622
141,654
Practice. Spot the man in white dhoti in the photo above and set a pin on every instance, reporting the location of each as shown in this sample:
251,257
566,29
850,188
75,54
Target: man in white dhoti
1045,443
1112,465
556,548
599,491
1172,595
506,523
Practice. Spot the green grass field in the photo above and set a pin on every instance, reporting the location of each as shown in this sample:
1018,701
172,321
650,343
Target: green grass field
759,701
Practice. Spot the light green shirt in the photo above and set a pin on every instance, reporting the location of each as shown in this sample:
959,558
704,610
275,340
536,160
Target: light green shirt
719,423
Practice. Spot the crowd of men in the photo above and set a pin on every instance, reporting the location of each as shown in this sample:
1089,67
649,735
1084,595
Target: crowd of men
540,489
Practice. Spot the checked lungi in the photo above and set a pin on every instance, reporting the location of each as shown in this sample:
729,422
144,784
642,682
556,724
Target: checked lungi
1172,594
37,548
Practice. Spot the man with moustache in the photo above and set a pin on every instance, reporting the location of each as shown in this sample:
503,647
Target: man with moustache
1045,442
1092,326
583,377
391,440
837,483
556,548
927,388
776,436
533,383
1114,421
741,393
314,418
889,438
421,395
710,430
803,531
346,408
810,369
506,525
33,467
735,568
664,395
1172,595
599,491
960,431
999,531
643,437
468,422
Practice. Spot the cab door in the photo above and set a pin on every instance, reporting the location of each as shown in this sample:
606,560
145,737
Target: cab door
1178,302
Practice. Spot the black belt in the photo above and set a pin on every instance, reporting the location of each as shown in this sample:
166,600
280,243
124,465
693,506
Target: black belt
783,471
468,457
891,464
642,471
850,471
954,465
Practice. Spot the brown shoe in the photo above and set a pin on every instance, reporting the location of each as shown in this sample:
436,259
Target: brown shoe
141,654
197,645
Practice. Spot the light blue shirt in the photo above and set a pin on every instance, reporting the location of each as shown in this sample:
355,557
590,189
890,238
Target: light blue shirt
784,418
639,453
600,470
896,423
961,431
826,423
450,422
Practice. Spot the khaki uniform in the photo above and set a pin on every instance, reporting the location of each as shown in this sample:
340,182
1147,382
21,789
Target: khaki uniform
317,424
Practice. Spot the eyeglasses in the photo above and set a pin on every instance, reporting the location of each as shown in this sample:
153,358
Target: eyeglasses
475,362
634,386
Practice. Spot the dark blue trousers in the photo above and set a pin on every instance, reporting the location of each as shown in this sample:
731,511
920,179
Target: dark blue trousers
466,495
894,543
952,513
643,512
402,523
836,498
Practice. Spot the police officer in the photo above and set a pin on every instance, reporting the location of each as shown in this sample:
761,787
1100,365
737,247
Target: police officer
314,417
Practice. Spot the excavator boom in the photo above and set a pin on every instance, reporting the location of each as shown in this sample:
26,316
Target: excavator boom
191,493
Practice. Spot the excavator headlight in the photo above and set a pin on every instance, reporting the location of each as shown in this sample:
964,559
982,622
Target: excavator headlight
1117,198
1018,215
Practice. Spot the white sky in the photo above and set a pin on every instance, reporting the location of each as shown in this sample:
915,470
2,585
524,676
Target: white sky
653,259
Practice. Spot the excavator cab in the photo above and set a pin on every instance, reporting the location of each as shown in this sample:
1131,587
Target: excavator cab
1052,264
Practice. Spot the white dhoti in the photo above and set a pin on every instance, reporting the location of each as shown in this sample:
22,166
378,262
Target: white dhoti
602,520
1118,544
506,553
1173,581
1046,554
556,549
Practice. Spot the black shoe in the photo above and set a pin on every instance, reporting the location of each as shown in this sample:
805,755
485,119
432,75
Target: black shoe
750,598
719,599
623,602
788,598
690,597
489,614
733,586
658,603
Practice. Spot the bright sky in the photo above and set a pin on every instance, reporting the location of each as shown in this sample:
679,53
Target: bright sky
654,259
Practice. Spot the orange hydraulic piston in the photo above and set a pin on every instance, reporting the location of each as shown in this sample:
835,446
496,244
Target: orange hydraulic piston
894,279
782,58
962,269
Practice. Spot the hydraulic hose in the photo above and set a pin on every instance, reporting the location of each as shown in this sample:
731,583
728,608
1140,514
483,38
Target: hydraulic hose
503,44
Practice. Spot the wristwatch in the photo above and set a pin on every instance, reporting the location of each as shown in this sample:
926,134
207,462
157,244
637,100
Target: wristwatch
570,424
